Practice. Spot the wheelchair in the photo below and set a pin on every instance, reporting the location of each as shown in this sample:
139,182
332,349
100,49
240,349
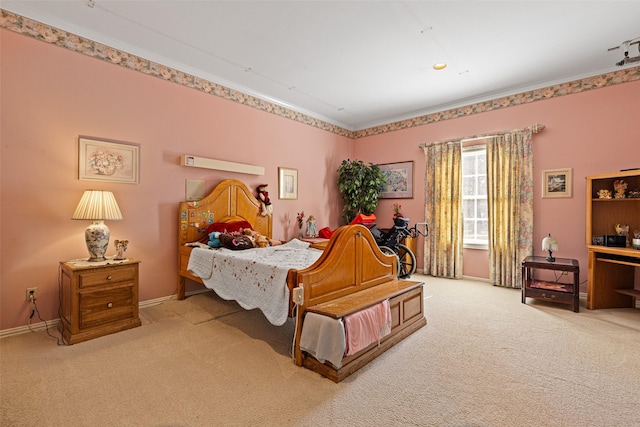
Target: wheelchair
389,243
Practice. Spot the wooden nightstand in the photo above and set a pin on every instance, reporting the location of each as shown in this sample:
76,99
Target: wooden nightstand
97,300
563,293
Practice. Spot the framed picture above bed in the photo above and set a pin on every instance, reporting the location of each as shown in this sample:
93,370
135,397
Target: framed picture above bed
399,180
108,160
287,183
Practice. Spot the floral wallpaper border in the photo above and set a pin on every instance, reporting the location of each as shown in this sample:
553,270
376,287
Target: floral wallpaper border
48,34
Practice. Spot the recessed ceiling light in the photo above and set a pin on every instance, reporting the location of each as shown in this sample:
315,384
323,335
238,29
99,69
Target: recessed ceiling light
439,66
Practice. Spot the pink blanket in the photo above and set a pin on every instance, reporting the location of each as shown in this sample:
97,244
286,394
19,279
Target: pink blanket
367,327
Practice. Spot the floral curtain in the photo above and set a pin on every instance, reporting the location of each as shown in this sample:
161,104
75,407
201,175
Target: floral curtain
443,210
510,203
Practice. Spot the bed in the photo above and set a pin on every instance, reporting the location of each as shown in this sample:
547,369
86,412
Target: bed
230,201
349,275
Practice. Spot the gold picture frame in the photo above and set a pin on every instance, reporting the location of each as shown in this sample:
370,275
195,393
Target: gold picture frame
399,180
108,160
287,183
557,183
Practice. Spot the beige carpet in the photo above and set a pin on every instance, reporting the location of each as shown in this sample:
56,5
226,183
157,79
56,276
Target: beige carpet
484,359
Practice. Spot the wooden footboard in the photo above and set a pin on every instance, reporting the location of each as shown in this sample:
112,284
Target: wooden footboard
351,275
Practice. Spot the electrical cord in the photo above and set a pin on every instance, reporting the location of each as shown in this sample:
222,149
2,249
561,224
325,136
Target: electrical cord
35,310
293,344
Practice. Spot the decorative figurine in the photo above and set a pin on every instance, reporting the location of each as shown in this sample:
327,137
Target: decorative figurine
620,185
121,246
300,221
266,209
622,229
604,194
312,229
633,194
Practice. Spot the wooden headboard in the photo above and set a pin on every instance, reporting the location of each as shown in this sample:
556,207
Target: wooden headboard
230,201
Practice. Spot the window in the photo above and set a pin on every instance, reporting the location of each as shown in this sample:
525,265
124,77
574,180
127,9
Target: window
474,197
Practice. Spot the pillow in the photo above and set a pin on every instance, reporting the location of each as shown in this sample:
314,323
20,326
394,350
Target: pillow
235,243
228,227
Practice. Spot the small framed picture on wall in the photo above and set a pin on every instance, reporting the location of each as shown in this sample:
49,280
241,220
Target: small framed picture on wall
108,160
557,183
287,183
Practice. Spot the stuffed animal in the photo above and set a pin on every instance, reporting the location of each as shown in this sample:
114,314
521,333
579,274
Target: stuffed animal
262,241
214,240
237,242
265,202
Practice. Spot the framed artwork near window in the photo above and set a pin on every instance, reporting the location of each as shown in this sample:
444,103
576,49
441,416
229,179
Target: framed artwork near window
108,160
557,183
287,183
399,180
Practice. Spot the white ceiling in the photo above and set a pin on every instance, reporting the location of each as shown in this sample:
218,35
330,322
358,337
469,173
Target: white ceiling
359,64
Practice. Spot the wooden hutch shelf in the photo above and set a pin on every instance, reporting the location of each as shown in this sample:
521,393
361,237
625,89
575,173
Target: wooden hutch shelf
612,270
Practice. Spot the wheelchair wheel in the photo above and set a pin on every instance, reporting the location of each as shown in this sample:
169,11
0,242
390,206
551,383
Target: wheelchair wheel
388,251
407,262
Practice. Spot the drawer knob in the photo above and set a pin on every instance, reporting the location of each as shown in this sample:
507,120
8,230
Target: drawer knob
109,277
109,305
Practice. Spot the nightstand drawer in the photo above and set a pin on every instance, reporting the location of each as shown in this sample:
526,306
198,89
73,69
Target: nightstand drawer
107,276
109,305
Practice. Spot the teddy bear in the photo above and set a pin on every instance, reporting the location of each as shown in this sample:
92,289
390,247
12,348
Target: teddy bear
262,241
236,242
265,202
214,240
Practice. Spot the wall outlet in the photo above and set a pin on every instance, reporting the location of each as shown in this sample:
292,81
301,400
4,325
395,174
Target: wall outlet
32,293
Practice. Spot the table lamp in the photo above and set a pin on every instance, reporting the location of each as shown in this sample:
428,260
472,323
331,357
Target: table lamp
97,205
550,244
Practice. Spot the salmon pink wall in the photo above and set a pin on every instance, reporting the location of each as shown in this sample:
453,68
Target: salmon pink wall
51,95
592,132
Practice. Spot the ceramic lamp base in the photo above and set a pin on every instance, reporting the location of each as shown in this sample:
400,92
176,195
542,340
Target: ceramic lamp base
97,237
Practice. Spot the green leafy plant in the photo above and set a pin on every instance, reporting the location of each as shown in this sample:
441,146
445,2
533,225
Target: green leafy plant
360,185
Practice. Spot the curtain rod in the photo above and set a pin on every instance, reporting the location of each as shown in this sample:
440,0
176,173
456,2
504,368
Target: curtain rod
535,129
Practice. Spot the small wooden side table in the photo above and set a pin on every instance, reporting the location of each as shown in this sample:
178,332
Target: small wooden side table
97,299
554,291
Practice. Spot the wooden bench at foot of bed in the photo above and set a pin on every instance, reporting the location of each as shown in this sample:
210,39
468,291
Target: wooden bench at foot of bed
338,291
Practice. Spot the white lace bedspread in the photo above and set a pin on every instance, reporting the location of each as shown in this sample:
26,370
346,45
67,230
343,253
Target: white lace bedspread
255,278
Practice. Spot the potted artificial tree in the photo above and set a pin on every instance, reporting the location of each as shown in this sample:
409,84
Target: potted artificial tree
360,186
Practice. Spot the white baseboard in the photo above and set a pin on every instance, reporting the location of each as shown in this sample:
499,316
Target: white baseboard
53,323
477,279
34,327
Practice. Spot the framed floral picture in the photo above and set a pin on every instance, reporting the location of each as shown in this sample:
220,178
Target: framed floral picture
107,160
287,183
399,180
556,183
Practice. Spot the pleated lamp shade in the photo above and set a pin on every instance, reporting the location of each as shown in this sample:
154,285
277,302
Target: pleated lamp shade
97,205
